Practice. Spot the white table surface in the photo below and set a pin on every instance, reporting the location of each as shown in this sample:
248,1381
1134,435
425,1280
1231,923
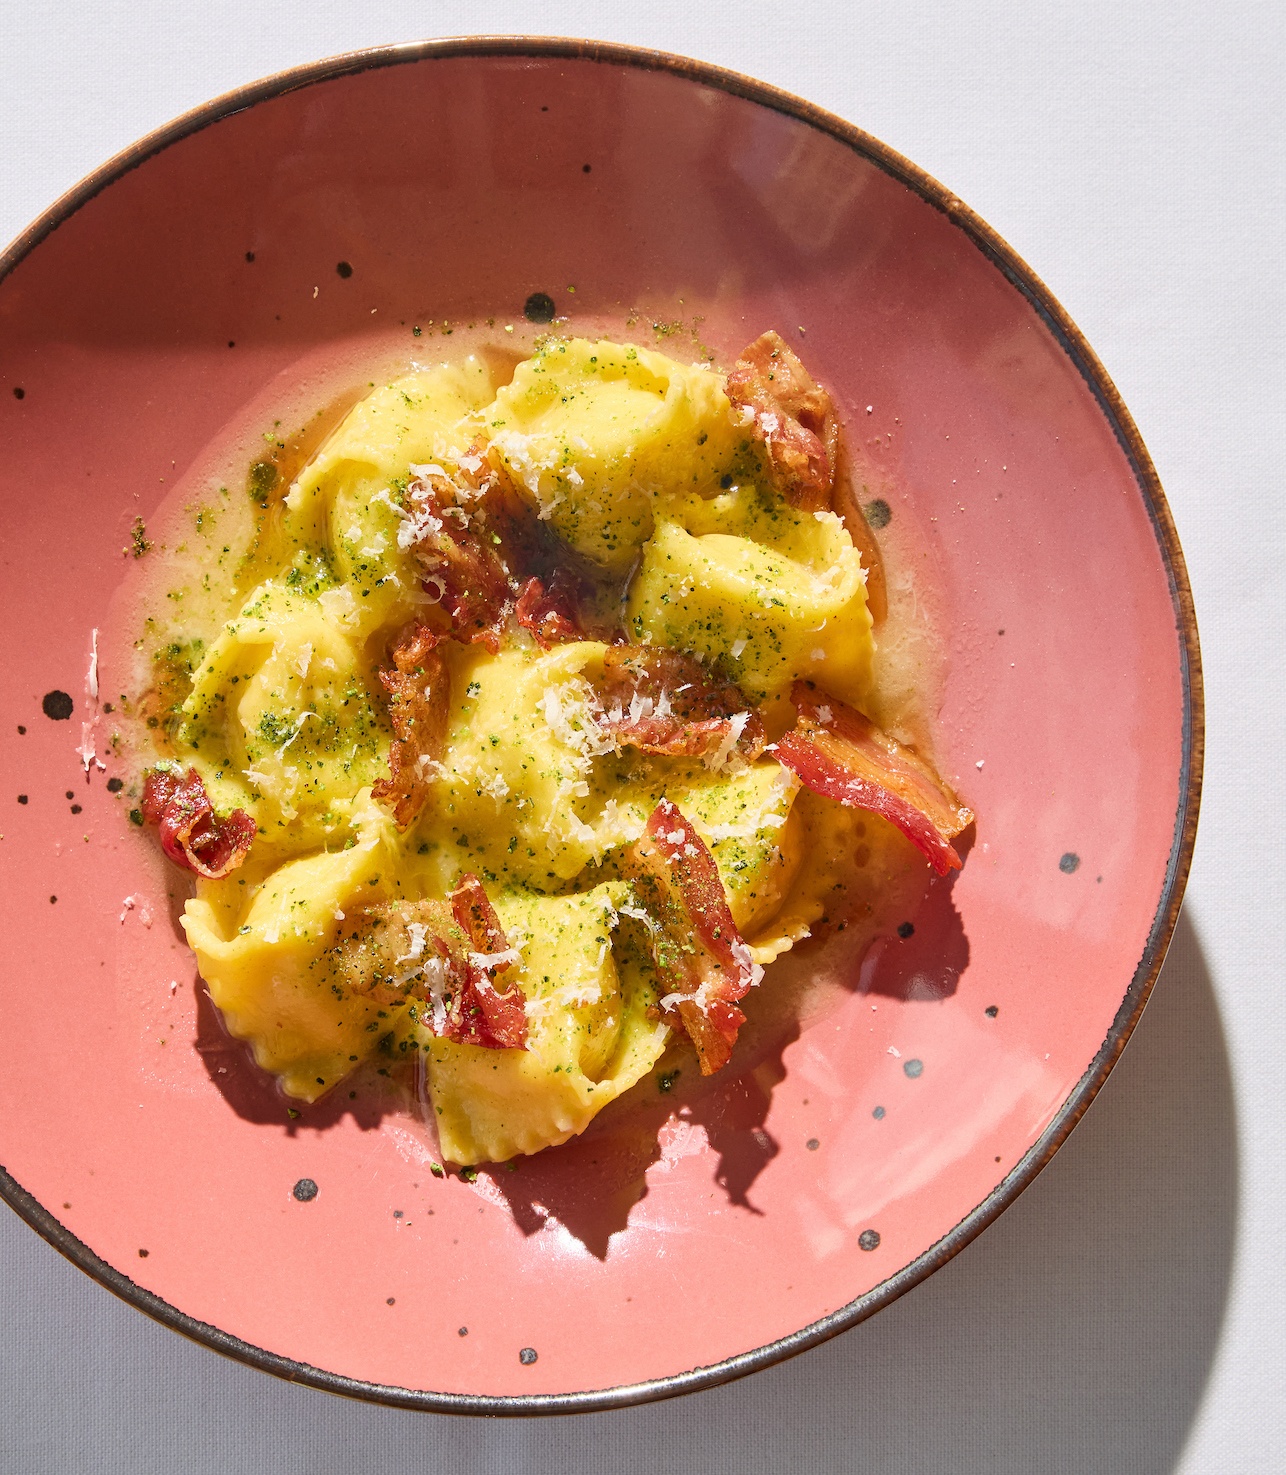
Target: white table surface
1125,1315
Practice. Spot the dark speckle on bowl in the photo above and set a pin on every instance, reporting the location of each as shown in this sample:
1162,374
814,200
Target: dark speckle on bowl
539,308
250,255
22,798
878,513
527,1356
906,929
992,1010
914,1068
1068,862
19,392
57,706
878,1113
115,785
869,1239
812,1144
143,1254
305,1190
463,1332
344,268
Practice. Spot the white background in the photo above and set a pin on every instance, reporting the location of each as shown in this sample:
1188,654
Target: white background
1125,1315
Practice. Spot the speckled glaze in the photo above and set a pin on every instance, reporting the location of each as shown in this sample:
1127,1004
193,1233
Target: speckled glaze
666,1250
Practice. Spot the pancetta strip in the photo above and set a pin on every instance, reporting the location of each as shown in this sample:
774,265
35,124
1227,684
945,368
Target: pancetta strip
486,1016
450,528
551,614
840,754
662,701
701,958
793,417
444,957
191,834
418,688
476,917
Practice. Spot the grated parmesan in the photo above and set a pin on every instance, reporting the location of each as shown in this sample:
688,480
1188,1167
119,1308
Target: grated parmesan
91,676
139,904
340,606
510,957
726,755
572,713
419,933
87,751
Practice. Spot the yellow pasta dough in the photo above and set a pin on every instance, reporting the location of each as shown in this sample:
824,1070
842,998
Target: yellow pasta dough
342,503
266,964
513,792
282,718
770,617
593,432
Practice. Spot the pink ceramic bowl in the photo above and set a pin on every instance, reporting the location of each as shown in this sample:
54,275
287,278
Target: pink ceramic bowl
827,1172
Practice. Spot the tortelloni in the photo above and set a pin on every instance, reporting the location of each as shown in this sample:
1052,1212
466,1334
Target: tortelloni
283,718
343,502
268,959
503,717
594,433
589,1034
517,787
788,603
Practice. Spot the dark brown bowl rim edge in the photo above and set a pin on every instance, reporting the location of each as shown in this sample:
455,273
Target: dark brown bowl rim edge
1073,343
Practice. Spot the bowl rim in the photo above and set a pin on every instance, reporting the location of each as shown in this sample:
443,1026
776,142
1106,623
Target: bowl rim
1082,356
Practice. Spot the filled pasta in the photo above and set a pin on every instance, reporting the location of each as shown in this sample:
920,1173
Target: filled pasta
532,730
